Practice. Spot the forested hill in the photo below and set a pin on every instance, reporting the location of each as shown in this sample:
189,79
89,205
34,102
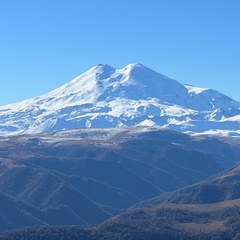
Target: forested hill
165,221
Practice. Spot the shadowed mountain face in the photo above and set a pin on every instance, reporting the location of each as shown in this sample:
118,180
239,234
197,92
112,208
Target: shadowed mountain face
164,221
14,214
84,176
222,187
217,220
131,96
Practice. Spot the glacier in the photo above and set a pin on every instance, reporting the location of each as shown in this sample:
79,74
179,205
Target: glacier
106,97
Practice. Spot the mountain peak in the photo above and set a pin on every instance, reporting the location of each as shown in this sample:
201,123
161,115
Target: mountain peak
104,67
100,68
130,96
103,71
134,65
137,68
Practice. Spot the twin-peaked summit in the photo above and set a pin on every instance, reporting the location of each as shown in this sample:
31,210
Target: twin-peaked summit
131,96
103,82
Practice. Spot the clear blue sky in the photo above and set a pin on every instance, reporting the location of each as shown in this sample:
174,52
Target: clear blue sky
46,43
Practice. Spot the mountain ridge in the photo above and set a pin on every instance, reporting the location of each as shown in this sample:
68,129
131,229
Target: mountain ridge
95,174
134,95
216,189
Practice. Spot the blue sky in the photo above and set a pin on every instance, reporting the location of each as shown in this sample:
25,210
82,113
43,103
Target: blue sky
44,44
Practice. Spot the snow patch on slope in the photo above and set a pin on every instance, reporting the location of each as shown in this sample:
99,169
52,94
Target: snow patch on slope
131,96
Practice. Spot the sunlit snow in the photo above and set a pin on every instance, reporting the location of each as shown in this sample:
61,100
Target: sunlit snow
105,97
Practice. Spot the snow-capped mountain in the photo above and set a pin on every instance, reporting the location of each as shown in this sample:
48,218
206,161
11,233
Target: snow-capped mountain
132,96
